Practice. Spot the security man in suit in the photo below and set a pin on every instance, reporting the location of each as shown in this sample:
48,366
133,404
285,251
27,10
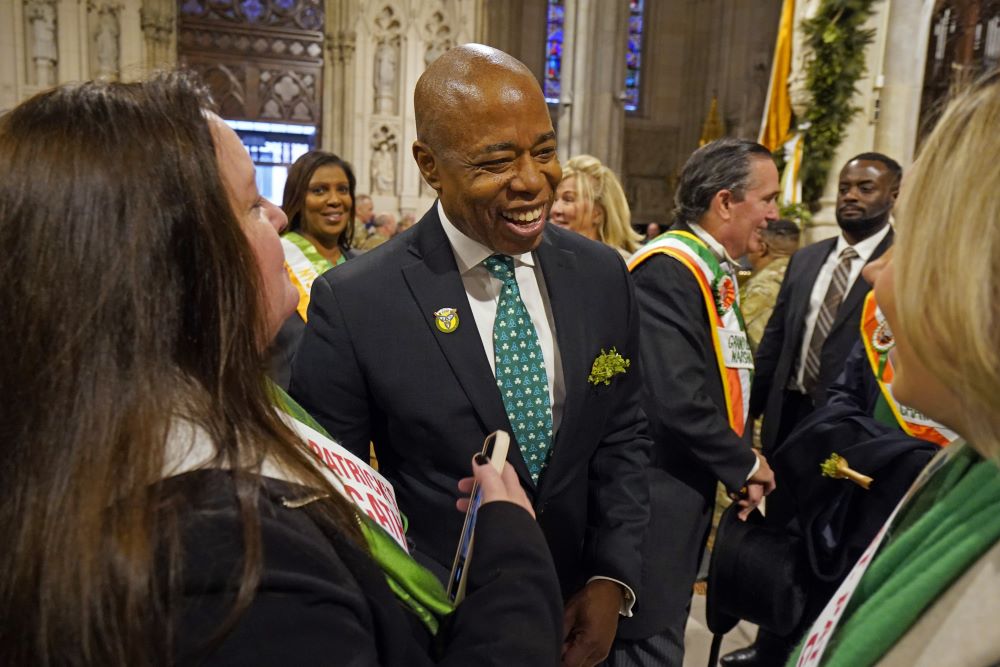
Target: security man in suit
813,329
815,320
498,321
697,366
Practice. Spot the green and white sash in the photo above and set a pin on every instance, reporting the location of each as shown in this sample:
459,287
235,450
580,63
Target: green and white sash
729,338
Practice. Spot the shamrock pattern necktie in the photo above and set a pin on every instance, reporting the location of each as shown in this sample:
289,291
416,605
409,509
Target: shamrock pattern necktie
520,369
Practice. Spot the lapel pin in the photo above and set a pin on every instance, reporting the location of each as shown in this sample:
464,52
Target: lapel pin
446,319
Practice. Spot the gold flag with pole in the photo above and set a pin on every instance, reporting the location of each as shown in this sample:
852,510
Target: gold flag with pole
777,121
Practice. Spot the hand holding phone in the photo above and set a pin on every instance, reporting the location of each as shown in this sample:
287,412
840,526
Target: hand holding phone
495,448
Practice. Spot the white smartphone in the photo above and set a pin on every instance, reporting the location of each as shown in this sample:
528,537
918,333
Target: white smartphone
495,447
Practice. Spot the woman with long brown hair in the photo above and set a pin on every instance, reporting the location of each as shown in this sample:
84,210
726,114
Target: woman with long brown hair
156,507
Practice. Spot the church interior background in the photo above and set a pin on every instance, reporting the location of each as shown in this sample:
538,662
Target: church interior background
636,83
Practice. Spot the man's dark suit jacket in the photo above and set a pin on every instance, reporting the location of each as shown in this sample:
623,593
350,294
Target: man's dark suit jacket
372,365
321,600
694,446
782,341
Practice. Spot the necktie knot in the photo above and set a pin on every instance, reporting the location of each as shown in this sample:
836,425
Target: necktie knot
500,267
848,253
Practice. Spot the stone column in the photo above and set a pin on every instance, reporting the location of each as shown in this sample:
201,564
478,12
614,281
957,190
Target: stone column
40,16
908,26
592,111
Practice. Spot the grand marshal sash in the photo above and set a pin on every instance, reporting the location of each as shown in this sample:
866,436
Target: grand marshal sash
719,293
305,265
878,341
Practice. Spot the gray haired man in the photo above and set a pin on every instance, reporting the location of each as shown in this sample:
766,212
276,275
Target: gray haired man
697,369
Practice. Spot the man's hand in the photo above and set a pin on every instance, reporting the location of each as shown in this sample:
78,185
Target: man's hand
760,484
590,623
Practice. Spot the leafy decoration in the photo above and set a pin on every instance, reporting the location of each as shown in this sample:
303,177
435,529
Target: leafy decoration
838,40
606,366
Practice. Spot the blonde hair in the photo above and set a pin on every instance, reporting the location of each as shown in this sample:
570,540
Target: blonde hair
601,186
948,258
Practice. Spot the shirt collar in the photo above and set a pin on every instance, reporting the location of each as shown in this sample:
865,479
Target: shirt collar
717,248
865,248
470,253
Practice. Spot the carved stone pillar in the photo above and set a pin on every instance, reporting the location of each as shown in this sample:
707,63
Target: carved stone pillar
158,20
43,47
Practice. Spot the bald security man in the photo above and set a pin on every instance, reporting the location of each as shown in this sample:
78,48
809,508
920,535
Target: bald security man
484,317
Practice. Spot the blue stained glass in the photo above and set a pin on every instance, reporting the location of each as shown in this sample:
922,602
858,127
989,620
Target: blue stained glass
252,9
192,7
553,50
633,56
285,4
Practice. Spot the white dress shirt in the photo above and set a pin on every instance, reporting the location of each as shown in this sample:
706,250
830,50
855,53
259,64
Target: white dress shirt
483,291
864,249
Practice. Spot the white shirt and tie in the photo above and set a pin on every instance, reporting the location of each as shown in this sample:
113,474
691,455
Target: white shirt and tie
483,292
864,250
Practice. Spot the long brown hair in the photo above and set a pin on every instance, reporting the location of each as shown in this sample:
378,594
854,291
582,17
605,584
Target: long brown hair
129,299
297,185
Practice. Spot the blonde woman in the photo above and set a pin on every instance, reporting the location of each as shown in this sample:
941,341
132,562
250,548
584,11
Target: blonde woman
591,202
931,595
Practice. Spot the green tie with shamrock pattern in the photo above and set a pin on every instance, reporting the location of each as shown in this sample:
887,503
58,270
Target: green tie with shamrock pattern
520,368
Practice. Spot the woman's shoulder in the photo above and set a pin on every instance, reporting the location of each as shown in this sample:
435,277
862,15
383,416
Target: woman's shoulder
959,628
314,591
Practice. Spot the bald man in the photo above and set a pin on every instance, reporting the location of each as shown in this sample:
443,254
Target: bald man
483,317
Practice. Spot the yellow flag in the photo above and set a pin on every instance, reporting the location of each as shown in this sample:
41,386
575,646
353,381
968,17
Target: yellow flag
777,119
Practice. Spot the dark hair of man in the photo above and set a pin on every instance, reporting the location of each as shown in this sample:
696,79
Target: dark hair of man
724,164
889,163
130,300
297,185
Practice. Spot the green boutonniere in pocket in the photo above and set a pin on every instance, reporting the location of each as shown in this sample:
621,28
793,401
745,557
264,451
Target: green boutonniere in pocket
606,366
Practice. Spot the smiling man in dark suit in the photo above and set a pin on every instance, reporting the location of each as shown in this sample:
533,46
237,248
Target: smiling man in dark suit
496,320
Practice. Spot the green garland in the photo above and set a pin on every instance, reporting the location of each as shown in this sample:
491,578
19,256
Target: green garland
837,40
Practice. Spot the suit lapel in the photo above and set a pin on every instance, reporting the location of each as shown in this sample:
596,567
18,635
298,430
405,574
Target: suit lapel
435,283
860,288
804,290
568,312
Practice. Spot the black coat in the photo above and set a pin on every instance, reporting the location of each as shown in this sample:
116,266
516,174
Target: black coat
372,366
693,444
321,600
781,343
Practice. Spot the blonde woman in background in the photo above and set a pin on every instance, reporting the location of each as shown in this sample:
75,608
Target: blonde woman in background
931,596
591,202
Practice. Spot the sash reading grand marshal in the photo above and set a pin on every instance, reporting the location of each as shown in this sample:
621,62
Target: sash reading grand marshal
721,299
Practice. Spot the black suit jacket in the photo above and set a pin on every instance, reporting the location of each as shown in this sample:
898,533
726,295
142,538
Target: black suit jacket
373,366
321,600
694,446
781,343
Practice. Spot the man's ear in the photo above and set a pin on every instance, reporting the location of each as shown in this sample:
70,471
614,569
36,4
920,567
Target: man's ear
722,204
427,164
893,193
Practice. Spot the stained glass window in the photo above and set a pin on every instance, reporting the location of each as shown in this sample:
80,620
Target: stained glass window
633,56
553,50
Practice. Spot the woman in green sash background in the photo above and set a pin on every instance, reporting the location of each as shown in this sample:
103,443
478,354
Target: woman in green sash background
931,596
157,505
319,202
